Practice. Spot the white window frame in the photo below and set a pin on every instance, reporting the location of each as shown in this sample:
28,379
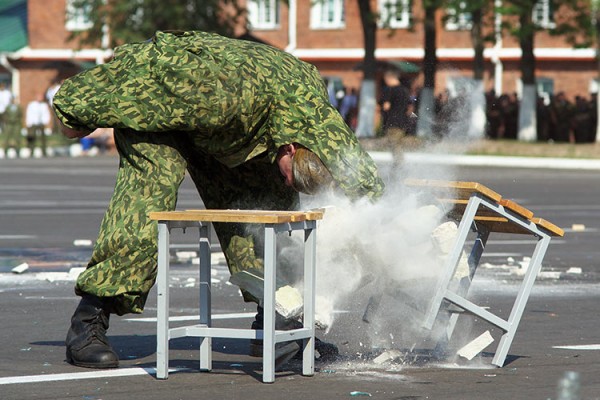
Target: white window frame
327,14
77,18
263,14
543,15
397,20
459,20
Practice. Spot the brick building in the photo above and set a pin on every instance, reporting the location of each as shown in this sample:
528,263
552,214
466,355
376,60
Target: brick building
35,50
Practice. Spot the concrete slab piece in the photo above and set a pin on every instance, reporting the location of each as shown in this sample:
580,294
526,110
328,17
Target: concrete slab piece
476,346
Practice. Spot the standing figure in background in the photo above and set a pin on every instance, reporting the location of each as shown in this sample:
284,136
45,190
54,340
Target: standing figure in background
13,122
395,101
349,107
37,118
5,98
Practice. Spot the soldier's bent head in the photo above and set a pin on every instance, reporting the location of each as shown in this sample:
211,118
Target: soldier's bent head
309,173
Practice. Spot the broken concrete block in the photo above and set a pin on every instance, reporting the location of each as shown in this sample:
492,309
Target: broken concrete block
19,269
476,346
388,355
444,236
288,302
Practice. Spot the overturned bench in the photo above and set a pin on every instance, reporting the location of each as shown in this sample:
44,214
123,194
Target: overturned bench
482,211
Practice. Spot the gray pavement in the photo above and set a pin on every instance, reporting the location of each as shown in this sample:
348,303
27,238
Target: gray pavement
47,206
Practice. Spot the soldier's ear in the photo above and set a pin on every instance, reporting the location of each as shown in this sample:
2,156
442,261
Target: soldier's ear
292,149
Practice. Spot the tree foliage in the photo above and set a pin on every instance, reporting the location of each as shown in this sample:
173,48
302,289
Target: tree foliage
114,22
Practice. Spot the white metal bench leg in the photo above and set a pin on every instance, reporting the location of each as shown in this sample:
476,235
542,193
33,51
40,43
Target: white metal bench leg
162,312
519,306
269,305
310,246
205,297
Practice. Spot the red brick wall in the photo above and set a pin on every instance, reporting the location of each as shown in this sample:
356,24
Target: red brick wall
47,24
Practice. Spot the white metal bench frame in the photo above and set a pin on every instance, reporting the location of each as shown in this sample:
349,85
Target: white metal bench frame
448,291
204,329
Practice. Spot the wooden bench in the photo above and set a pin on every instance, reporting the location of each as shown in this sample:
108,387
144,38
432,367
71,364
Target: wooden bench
482,211
273,222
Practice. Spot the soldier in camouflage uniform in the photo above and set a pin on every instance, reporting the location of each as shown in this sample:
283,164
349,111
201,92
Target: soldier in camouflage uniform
13,123
237,115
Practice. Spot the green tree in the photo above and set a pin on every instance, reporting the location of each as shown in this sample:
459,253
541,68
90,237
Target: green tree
430,62
367,106
477,10
114,22
525,32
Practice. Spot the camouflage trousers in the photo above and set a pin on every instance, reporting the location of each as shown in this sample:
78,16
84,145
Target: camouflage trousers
152,167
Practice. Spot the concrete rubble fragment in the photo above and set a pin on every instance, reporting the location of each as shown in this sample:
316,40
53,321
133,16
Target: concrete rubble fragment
471,349
388,355
19,269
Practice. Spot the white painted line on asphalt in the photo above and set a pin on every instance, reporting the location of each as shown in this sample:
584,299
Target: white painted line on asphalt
195,317
14,237
532,241
82,375
490,254
579,347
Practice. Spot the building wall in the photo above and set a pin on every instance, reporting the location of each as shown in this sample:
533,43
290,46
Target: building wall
570,75
47,24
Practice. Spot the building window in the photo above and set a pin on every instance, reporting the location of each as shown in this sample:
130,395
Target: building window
78,16
395,13
263,14
543,14
458,18
327,14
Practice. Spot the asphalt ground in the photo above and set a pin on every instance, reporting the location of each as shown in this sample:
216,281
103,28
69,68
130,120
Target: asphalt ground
47,206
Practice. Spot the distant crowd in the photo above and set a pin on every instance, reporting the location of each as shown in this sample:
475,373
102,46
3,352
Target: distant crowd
558,118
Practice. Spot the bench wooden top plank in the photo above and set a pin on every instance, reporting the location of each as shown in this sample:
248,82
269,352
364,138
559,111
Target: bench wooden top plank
549,226
516,207
246,216
463,190
508,204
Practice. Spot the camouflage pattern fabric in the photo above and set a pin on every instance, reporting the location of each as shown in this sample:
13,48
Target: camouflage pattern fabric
220,108
240,98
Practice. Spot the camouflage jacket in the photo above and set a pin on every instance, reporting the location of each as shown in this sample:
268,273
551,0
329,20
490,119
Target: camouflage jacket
239,98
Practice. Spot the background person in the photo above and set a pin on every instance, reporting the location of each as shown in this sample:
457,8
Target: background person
37,117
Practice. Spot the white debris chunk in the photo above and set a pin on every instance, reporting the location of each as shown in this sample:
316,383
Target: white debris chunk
82,242
476,346
444,236
578,227
288,302
549,275
19,269
574,270
444,239
388,355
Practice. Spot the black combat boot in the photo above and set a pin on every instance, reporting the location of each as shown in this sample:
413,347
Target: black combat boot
87,345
